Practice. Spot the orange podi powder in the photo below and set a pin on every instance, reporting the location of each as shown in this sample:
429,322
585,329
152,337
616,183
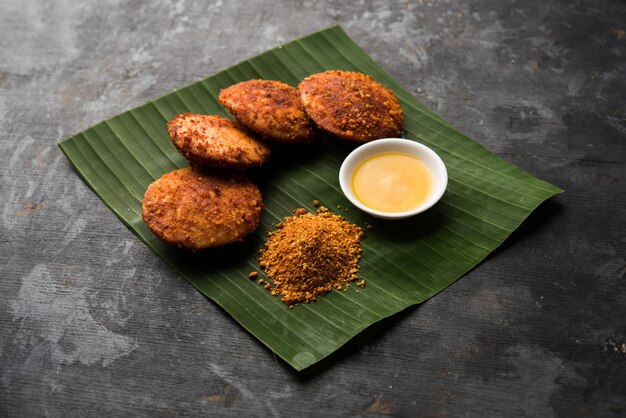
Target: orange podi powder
310,254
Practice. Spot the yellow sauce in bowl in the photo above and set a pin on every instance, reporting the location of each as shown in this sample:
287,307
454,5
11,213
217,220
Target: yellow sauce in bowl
392,182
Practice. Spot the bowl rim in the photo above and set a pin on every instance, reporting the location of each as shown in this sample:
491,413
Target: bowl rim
368,150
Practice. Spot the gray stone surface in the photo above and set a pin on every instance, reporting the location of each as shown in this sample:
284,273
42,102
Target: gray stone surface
93,324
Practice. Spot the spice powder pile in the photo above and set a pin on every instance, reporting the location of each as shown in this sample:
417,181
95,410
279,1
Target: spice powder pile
310,254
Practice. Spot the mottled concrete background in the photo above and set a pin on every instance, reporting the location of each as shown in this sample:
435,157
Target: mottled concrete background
93,324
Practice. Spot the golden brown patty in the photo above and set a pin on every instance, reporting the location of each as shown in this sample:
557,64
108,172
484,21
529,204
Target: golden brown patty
270,108
214,141
351,106
196,209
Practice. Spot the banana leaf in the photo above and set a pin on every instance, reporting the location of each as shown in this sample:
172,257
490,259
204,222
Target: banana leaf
403,262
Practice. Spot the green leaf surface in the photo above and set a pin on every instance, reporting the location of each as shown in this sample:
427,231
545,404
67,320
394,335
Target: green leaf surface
404,262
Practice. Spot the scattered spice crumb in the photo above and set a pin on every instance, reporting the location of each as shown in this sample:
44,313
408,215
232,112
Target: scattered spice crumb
316,202
311,254
361,283
614,345
370,226
261,281
253,274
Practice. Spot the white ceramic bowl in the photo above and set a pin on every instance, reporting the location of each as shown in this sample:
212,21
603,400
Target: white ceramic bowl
395,145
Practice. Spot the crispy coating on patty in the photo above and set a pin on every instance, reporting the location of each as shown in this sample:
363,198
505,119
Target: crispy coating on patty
196,209
351,106
214,141
269,108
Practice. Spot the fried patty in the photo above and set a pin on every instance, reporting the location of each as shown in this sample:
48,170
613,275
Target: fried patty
195,209
214,141
351,106
269,108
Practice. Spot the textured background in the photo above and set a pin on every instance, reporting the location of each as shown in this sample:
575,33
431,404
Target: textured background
93,323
